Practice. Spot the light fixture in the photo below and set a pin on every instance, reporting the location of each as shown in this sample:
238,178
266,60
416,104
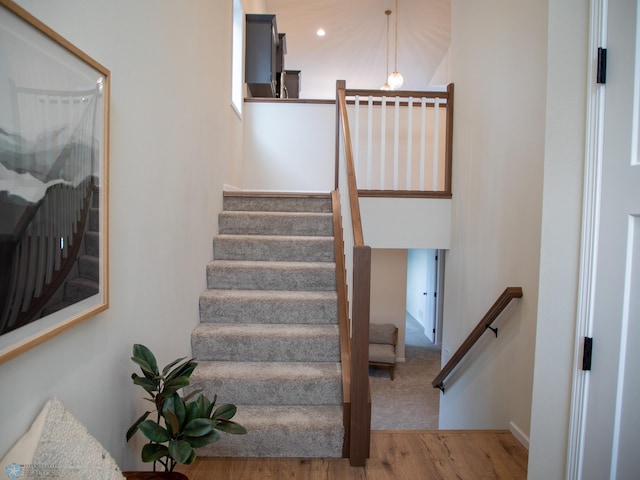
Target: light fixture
386,85
321,32
395,80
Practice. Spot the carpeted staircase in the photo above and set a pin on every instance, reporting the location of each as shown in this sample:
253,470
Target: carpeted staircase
268,336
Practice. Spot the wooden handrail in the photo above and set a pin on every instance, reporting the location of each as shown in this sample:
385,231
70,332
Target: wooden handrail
501,303
354,204
358,412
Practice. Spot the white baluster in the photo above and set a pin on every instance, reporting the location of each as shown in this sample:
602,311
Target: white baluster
436,136
369,141
409,141
396,142
423,130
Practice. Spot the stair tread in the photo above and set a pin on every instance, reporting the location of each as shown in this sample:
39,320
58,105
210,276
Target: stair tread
275,201
278,238
271,294
265,416
269,306
268,371
269,264
266,330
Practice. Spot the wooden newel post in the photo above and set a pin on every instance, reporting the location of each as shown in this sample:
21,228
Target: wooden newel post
360,395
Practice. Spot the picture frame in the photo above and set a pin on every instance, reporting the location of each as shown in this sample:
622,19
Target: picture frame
54,183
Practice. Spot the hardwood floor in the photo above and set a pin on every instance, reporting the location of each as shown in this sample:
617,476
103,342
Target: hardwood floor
395,455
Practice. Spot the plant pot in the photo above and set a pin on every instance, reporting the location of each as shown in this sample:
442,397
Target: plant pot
155,476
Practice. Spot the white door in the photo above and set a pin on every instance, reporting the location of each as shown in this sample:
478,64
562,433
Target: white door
612,427
430,295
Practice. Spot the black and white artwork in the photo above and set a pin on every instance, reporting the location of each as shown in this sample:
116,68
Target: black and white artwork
53,183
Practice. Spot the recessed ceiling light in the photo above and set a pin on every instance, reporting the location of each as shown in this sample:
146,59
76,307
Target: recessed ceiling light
321,32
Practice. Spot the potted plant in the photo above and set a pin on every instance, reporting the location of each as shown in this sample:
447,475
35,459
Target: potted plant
181,424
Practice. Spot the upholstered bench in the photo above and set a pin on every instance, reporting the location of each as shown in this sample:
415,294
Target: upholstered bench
383,339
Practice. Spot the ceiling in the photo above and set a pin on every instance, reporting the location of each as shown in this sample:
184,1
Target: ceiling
354,47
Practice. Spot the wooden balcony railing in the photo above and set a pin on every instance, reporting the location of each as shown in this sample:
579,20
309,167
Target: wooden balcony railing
402,142
485,324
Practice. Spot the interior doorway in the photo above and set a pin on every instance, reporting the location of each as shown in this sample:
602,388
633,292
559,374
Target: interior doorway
409,401
425,278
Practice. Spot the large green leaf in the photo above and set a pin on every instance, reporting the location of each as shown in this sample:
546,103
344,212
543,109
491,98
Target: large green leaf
134,428
173,424
174,385
197,442
198,427
148,384
211,406
193,411
228,426
147,361
168,367
183,370
224,412
154,432
176,405
152,452
192,394
205,406
181,451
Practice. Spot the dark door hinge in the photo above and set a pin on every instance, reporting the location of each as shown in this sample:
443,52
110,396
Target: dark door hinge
601,76
586,353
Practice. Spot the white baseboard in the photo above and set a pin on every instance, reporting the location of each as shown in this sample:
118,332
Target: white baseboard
517,432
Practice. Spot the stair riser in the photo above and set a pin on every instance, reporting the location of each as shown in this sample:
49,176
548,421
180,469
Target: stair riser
249,309
273,249
272,391
251,349
271,435
267,204
243,223
277,277
274,442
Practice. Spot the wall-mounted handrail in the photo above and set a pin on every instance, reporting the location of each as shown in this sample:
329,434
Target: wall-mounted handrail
501,303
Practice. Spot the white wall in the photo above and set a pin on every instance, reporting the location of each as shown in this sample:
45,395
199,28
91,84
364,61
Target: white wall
406,222
559,256
174,141
389,291
498,57
289,146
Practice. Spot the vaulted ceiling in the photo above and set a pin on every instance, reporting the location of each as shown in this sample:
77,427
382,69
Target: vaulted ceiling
354,47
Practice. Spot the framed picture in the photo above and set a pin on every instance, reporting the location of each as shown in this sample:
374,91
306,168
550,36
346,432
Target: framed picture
54,157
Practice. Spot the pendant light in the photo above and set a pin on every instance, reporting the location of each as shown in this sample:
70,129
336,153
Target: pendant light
386,85
395,80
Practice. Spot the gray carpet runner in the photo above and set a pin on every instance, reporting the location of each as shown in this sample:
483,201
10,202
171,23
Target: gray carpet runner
268,337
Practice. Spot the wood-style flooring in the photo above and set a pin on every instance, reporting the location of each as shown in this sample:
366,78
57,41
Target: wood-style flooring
395,455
